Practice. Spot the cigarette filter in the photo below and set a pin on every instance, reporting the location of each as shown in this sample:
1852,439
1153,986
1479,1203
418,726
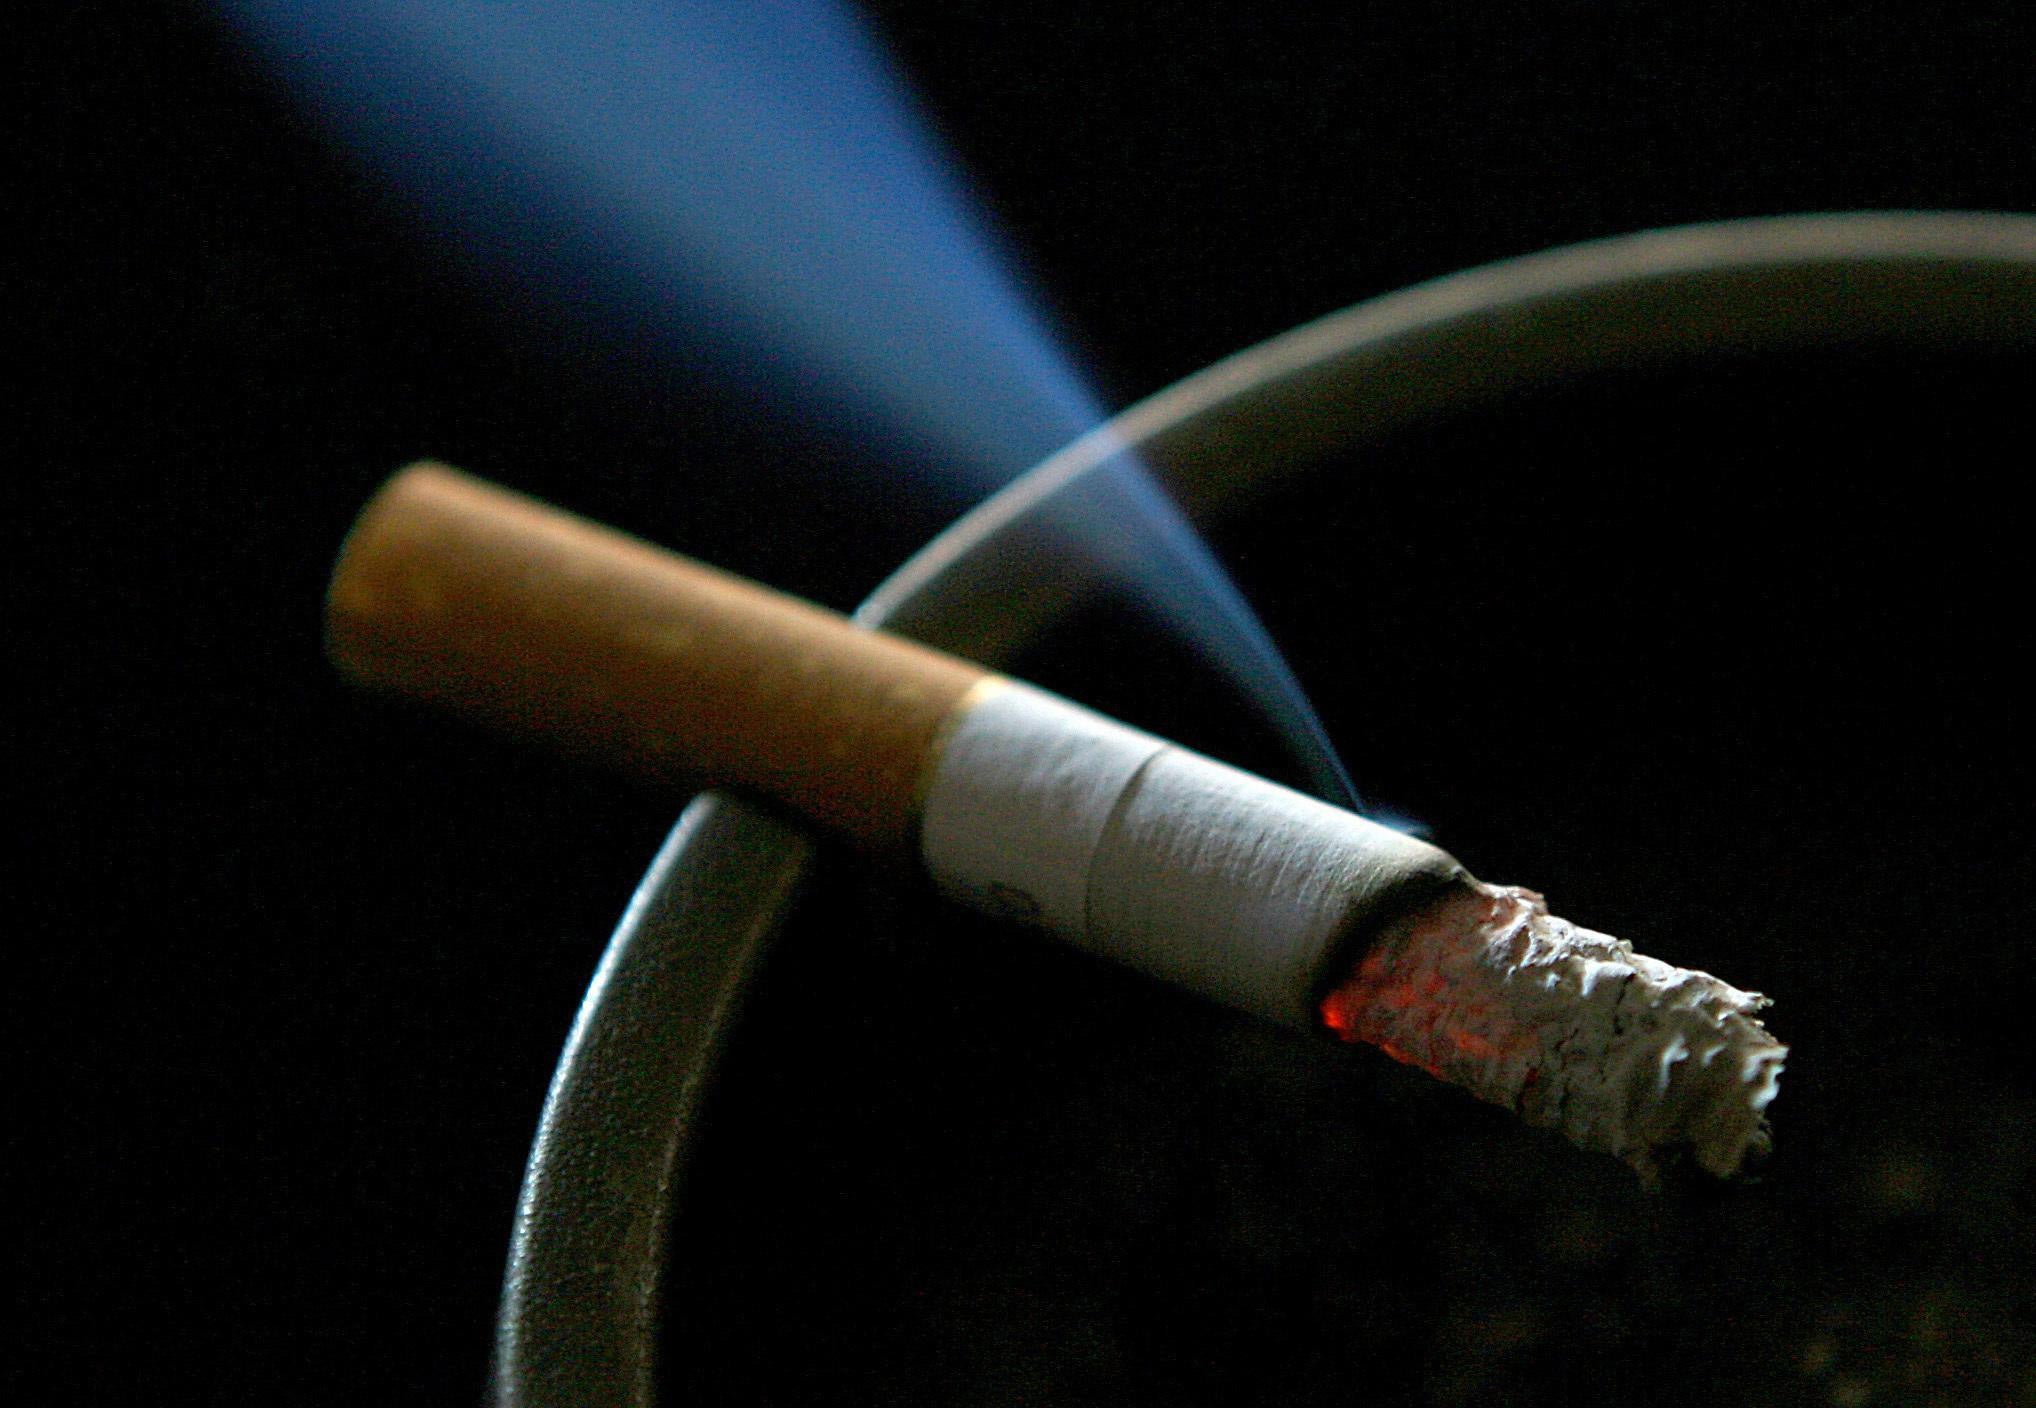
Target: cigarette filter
1029,807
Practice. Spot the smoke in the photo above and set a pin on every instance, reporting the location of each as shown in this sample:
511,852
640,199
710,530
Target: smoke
753,177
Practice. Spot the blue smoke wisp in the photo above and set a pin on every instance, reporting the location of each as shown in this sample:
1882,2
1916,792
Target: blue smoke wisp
752,176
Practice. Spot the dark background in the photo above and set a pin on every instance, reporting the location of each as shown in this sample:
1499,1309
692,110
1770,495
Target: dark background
291,968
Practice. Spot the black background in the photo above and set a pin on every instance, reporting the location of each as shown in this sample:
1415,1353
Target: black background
291,968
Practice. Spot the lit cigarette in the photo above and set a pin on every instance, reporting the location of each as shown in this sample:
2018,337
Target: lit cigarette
1029,807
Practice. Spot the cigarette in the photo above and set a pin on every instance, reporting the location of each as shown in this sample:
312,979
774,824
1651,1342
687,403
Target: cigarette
1031,808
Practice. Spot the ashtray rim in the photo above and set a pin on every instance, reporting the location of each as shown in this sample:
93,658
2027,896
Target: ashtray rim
579,1310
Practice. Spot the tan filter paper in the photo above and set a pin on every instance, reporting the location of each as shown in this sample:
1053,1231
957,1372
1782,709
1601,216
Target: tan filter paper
541,623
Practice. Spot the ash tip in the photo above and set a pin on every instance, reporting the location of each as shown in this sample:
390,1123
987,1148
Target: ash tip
1719,1105
1573,1031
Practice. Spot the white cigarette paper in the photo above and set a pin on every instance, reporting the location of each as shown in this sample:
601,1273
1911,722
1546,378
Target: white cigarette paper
1159,858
